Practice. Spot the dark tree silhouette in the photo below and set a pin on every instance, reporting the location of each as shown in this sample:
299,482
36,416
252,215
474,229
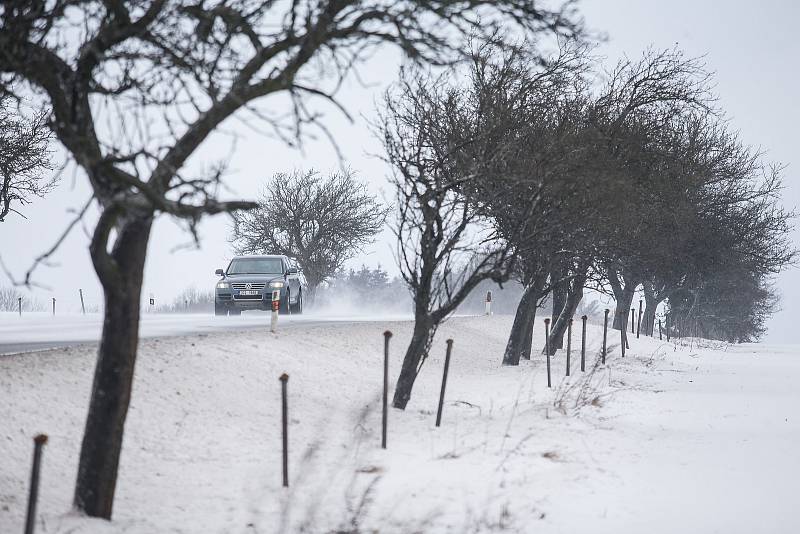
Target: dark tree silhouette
455,149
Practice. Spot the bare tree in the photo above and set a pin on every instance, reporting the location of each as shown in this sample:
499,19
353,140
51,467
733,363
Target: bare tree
24,158
640,99
320,221
137,87
453,149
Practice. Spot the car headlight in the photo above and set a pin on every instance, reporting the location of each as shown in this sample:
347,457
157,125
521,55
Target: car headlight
223,285
276,285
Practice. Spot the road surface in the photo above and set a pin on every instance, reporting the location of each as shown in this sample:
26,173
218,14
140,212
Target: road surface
40,331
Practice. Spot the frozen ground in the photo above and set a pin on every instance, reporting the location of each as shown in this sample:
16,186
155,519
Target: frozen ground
671,439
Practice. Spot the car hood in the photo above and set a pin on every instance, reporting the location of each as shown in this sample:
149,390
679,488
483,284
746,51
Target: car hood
266,278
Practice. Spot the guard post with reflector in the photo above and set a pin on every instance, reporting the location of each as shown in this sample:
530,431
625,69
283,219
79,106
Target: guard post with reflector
488,303
276,304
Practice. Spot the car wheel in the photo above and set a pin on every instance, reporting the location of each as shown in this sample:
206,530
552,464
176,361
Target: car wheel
220,309
298,307
234,311
286,305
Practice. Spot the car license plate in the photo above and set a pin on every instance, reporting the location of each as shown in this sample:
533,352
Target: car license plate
248,292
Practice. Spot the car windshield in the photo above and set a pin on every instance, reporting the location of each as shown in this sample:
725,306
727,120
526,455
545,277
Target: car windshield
256,266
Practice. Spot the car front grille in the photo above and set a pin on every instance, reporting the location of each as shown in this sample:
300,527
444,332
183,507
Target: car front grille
253,285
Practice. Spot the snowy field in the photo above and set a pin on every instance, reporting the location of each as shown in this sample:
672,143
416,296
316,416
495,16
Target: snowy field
674,438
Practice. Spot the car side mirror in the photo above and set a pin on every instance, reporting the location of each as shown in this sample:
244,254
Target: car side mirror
292,270
219,272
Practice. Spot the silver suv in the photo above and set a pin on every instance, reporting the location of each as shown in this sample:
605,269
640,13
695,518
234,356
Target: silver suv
248,283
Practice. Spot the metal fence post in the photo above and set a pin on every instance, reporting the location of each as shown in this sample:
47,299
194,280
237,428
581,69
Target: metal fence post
547,347
605,335
284,378
33,496
569,342
444,381
583,344
385,417
639,320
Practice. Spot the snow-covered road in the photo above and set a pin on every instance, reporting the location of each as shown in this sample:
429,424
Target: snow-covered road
673,438
40,331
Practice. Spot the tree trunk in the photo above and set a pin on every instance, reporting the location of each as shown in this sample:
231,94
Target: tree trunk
520,338
424,330
651,304
574,297
113,377
624,297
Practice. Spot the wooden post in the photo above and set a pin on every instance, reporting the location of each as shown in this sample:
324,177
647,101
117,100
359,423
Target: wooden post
633,320
605,335
385,417
83,307
659,330
444,381
639,320
33,495
284,378
583,344
547,348
668,321
569,342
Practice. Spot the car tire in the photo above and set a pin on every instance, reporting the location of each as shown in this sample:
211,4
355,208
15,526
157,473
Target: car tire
220,309
234,311
286,306
298,308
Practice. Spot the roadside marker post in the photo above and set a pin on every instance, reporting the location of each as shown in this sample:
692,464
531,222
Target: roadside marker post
83,306
488,303
276,304
444,381
33,496
547,347
284,378
583,344
633,320
54,305
659,330
385,415
19,303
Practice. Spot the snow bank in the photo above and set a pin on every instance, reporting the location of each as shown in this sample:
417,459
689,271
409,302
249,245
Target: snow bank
671,439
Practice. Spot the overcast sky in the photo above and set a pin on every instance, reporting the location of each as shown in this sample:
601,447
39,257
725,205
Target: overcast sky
751,46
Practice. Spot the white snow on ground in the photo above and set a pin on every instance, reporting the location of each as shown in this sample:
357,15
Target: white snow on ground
671,439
